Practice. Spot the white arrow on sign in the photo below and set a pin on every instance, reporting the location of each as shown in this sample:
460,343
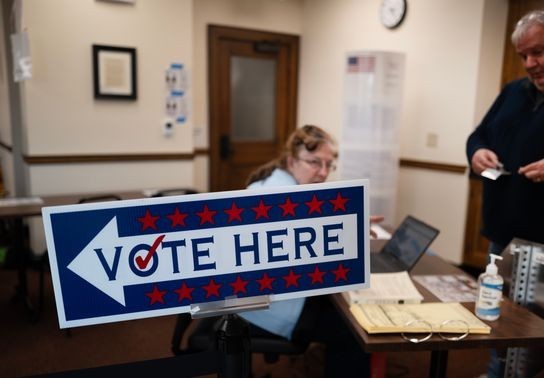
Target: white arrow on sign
104,262
88,266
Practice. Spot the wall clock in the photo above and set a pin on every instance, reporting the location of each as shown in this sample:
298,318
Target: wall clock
392,12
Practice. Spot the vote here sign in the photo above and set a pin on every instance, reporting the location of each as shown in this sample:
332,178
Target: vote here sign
122,260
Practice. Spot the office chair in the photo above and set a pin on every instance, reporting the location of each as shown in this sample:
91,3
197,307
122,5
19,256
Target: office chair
174,192
202,337
44,261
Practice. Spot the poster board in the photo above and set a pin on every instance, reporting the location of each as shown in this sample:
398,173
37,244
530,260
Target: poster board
369,147
123,260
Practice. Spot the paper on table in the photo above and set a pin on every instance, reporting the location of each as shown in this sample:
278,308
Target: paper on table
450,287
21,201
381,233
150,192
394,287
392,318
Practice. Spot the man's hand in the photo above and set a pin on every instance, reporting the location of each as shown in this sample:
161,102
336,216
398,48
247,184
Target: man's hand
483,159
533,171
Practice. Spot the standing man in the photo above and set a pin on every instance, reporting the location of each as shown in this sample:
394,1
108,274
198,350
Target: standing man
511,136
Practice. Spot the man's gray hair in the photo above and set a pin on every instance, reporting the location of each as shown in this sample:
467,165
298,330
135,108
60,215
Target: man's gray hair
535,17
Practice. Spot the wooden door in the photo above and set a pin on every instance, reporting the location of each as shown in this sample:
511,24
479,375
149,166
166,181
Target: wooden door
253,85
475,251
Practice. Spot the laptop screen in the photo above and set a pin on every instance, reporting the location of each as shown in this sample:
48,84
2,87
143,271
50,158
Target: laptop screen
410,240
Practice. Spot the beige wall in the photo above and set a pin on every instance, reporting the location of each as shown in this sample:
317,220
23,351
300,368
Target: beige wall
5,129
446,88
61,116
452,75
59,99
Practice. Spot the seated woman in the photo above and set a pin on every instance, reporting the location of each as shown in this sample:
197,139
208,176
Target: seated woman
309,156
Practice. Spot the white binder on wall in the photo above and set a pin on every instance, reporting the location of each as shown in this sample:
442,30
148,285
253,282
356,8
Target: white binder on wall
369,145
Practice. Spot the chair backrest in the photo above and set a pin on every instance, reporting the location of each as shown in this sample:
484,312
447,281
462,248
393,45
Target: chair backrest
174,192
100,198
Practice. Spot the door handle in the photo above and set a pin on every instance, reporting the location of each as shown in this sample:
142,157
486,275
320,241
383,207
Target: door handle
224,147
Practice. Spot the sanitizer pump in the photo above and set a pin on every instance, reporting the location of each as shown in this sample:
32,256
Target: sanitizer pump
489,291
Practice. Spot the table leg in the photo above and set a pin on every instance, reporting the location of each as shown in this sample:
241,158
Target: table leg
378,363
22,262
439,363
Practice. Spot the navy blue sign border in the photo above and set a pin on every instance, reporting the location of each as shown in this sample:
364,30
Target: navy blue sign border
74,230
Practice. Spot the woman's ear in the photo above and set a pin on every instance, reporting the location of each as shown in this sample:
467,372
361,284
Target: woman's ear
290,162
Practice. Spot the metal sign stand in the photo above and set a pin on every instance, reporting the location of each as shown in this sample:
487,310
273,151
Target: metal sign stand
232,339
526,263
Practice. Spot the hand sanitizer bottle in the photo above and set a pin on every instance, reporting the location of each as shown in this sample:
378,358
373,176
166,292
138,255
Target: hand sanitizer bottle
489,291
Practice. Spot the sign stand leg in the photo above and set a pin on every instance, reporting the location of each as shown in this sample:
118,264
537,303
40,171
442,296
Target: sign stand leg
233,344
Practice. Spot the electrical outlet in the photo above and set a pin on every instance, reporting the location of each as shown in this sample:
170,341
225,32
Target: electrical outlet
432,140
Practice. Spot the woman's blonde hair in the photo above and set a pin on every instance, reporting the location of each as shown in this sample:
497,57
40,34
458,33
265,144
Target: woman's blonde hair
309,137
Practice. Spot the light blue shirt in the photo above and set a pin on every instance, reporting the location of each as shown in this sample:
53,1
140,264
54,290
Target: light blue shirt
282,316
279,177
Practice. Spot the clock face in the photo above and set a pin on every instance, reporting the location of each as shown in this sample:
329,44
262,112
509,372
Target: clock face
392,12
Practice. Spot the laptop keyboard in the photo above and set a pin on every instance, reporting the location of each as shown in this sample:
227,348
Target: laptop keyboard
384,263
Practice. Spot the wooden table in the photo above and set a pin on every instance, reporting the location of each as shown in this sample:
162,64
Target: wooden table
516,327
18,212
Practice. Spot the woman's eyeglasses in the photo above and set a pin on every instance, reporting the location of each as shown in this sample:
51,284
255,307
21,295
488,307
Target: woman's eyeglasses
318,164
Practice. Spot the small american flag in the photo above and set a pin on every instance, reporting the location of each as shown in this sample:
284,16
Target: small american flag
361,64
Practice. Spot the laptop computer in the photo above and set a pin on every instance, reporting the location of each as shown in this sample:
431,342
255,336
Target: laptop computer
405,247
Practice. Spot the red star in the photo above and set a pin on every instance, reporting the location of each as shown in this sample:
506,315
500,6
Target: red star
206,215
341,273
316,275
339,202
239,286
177,218
291,279
265,282
261,210
288,207
314,205
212,289
148,221
234,213
156,295
184,292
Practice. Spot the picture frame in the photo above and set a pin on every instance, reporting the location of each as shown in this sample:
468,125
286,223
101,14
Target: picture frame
114,72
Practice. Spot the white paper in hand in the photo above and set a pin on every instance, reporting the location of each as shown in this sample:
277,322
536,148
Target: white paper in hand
495,173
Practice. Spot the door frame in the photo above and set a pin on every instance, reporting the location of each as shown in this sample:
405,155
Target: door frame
217,96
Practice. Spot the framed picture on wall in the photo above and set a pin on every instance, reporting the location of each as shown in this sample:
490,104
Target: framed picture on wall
114,72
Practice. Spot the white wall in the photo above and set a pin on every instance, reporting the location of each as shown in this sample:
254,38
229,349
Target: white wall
454,55
61,116
59,98
447,45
